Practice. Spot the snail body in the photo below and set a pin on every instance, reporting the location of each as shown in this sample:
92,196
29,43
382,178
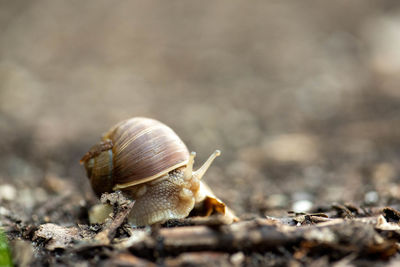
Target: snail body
147,161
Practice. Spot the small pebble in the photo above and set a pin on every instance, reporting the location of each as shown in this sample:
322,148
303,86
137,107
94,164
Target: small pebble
371,197
302,205
7,192
238,258
4,212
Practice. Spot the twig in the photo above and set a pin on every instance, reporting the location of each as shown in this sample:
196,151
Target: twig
339,235
108,233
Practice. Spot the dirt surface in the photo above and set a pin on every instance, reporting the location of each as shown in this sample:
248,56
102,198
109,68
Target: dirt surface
302,98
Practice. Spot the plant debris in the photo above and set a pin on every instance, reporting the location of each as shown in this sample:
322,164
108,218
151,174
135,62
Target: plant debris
300,238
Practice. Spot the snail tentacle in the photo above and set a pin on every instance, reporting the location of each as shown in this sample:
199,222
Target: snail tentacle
203,169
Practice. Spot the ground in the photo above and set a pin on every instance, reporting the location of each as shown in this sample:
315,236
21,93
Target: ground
302,99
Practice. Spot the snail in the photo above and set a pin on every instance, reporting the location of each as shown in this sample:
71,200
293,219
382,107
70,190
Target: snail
148,162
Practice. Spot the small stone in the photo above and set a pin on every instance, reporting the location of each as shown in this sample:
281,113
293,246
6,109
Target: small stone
7,192
237,259
4,212
371,197
302,205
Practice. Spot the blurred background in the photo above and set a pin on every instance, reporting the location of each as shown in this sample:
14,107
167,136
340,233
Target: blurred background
302,98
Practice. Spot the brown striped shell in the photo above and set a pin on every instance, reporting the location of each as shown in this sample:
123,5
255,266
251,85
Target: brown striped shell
133,152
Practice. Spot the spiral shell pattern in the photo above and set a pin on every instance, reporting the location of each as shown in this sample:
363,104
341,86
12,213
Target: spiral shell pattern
142,150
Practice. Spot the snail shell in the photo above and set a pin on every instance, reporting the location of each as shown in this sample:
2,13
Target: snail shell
147,160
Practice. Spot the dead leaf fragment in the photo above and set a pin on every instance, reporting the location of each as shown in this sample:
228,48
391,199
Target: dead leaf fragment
56,236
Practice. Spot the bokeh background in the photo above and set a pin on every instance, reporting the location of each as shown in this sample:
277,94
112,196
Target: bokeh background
302,97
